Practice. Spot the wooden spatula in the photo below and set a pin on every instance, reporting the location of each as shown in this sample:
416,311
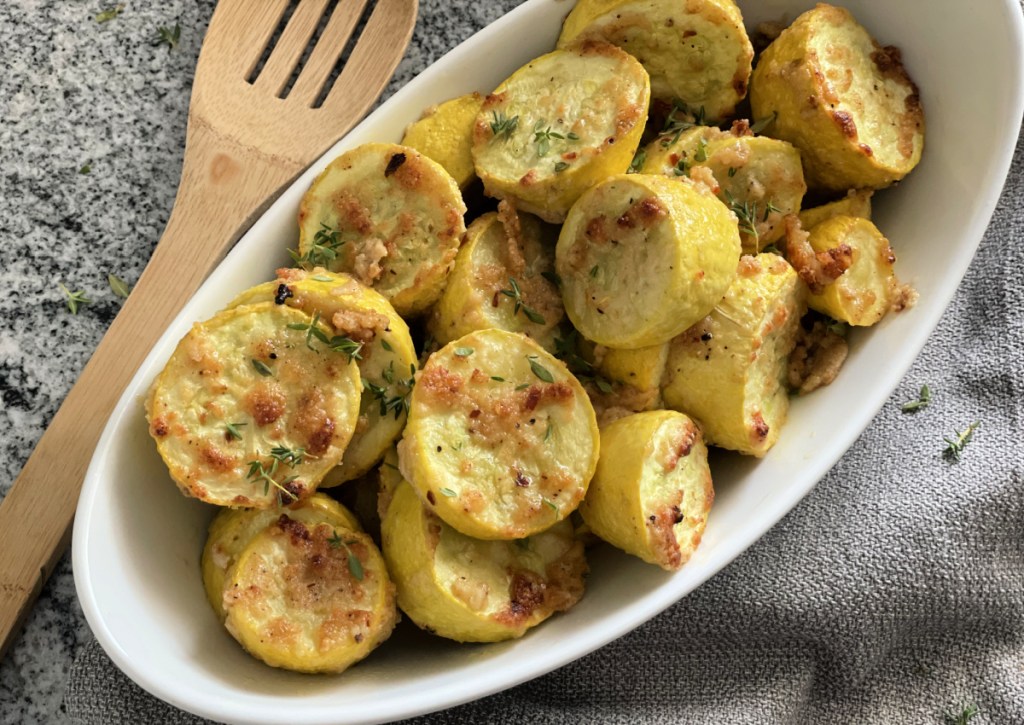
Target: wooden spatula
262,110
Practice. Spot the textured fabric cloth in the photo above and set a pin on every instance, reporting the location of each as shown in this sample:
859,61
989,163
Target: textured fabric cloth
894,593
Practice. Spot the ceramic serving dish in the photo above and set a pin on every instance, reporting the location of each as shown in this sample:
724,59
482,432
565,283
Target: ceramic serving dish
137,541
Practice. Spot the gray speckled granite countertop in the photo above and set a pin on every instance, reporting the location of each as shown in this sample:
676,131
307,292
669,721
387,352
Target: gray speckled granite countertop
92,129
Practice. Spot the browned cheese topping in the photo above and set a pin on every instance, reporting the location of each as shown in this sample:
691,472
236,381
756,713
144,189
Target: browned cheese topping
817,269
817,358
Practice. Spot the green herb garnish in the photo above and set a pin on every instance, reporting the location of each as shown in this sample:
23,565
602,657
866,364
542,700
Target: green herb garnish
517,296
679,119
701,154
110,13
118,286
355,567
85,169
542,137
396,403
463,351
337,343
167,36
292,457
448,492
502,125
552,277
560,166
963,717
638,161
539,370
323,250
955,446
259,472
75,299
923,399
232,429
261,368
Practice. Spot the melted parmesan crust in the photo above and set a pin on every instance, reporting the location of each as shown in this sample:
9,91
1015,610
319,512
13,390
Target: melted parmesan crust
696,51
472,590
643,257
579,115
295,599
863,293
386,359
232,530
762,177
652,490
500,247
246,368
399,219
494,448
846,102
728,370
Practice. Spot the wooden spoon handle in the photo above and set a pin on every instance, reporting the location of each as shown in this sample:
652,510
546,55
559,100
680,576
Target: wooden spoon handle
223,187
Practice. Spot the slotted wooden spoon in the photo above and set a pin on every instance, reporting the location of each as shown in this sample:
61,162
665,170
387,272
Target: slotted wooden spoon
251,129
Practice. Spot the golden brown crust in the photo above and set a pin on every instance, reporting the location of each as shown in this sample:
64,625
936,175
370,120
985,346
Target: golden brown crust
817,269
817,358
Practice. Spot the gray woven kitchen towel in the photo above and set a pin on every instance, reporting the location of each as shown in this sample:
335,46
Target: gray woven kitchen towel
894,593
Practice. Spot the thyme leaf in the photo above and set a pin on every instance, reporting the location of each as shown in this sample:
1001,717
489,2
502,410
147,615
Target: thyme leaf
323,249
502,125
167,36
923,399
355,567
105,16
516,294
955,446
118,286
539,370
75,299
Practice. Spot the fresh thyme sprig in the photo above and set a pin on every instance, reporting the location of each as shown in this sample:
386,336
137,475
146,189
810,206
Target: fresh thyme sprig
502,125
337,343
291,456
110,13
259,472
323,250
746,213
517,296
168,36
955,446
679,120
397,403
542,137
75,299
355,566
923,399
232,430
